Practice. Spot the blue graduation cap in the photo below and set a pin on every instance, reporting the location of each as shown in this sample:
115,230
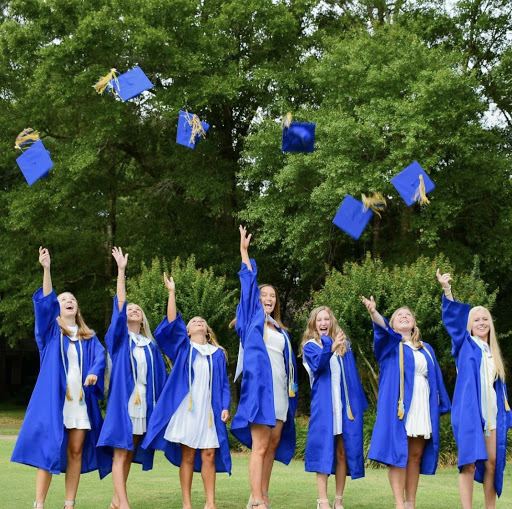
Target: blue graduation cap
413,184
127,85
190,129
352,216
298,137
35,162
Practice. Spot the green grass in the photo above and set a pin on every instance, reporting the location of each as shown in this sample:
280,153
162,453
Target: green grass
291,488
11,419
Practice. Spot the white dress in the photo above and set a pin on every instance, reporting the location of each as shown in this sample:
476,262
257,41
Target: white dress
488,399
276,343
337,404
138,412
75,411
418,422
191,427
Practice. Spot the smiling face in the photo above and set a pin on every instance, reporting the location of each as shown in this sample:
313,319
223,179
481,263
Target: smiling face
481,324
268,299
323,323
134,314
197,325
68,305
403,321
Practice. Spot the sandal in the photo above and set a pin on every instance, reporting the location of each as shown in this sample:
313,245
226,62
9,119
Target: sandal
337,505
113,506
253,502
265,494
39,504
68,502
321,501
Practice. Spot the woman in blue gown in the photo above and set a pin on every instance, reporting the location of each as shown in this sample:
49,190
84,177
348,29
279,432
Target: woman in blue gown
136,380
63,419
264,420
189,420
411,398
337,406
481,414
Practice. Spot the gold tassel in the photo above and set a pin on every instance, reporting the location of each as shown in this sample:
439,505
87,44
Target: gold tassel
290,392
197,128
190,402
377,203
81,395
210,420
287,120
137,398
106,82
421,195
350,414
26,136
68,394
507,406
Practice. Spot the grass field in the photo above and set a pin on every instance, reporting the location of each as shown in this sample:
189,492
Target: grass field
291,488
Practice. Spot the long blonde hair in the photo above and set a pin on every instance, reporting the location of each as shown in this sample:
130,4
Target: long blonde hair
312,333
211,337
493,340
83,332
415,334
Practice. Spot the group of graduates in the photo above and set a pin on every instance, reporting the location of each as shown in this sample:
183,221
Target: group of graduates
185,413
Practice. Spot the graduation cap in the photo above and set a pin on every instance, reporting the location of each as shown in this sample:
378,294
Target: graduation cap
297,136
35,161
127,85
413,184
190,129
352,216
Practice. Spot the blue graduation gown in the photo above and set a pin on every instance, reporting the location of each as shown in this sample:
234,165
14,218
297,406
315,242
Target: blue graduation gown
118,429
256,403
173,340
467,420
320,451
389,438
43,439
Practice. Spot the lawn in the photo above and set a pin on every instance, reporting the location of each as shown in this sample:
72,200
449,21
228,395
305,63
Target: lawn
291,488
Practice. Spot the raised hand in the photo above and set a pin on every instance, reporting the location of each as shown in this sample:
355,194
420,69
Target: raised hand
169,283
444,279
121,260
245,239
369,304
44,257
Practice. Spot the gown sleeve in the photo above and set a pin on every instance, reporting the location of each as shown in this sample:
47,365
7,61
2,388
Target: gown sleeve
318,358
117,329
172,336
385,340
46,310
455,319
249,299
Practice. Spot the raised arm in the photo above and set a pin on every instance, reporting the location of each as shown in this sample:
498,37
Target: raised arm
444,281
245,240
171,301
122,261
375,315
44,260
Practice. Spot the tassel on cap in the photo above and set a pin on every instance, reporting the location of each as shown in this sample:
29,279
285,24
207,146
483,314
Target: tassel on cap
287,120
196,127
421,196
105,83
26,137
377,203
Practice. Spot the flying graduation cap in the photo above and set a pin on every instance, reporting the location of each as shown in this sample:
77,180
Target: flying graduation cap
35,161
413,184
127,85
297,136
352,216
190,129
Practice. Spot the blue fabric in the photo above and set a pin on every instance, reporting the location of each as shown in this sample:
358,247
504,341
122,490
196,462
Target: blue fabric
118,429
467,420
320,451
173,340
389,438
43,439
256,403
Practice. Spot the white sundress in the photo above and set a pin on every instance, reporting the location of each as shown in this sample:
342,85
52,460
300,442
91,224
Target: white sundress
418,423
276,343
75,411
137,412
488,400
192,427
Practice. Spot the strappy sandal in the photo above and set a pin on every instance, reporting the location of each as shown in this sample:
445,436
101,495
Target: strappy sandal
337,505
265,494
39,504
68,502
321,501
113,506
253,502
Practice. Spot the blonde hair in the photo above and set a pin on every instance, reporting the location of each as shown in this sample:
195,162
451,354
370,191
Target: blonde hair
276,314
493,340
211,337
415,334
83,332
145,329
312,333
